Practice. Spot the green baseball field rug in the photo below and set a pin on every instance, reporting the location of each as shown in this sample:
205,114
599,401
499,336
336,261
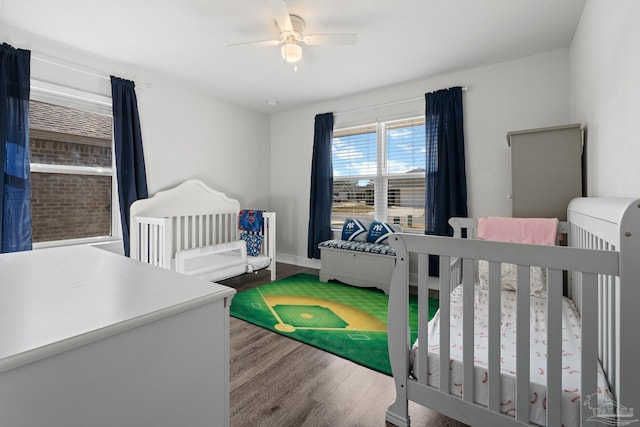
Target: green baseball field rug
347,321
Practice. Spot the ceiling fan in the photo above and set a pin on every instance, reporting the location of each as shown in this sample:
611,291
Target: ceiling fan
292,34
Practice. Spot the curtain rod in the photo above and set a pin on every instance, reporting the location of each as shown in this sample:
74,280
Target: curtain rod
388,104
78,69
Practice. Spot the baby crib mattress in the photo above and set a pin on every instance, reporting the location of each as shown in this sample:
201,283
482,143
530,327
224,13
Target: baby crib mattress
571,333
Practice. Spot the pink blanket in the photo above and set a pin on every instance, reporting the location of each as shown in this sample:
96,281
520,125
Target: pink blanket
536,231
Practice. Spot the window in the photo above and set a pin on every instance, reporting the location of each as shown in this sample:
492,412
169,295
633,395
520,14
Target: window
72,173
379,173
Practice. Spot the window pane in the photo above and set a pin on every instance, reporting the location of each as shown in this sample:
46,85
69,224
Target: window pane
70,206
64,136
67,205
406,203
405,146
355,152
392,191
352,199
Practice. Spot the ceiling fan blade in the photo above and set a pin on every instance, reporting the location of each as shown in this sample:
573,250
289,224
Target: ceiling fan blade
336,39
280,11
257,43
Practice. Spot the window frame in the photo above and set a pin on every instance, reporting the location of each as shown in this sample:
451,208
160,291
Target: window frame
88,102
382,177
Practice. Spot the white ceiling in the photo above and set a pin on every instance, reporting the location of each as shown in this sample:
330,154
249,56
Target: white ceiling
398,40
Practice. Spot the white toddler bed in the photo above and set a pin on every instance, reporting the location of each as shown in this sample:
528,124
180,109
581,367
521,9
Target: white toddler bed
193,229
530,363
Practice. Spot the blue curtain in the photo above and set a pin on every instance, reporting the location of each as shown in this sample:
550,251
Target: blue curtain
127,136
15,183
446,182
321,185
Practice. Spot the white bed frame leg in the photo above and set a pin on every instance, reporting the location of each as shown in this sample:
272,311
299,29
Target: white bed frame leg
399,336
393,418
270,231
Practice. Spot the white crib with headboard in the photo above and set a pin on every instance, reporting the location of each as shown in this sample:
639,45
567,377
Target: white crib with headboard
465,374
193,229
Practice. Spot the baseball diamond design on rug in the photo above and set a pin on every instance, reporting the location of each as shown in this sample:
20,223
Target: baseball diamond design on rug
347,321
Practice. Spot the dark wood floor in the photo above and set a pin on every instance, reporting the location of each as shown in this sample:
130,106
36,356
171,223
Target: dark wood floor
279,382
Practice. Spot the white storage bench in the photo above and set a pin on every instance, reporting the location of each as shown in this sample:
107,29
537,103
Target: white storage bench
357,263
361,257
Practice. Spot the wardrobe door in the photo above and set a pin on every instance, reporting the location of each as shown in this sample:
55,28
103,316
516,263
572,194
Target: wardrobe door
546,170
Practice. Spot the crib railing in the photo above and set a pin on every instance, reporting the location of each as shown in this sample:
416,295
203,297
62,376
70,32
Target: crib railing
149,241
196,231
588,263
612,224
606,306
157,240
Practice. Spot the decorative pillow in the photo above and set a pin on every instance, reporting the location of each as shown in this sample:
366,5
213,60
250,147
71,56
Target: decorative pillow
509,275
379,232
352,228
254,242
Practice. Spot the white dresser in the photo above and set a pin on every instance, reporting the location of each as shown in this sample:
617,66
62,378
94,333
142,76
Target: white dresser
89,338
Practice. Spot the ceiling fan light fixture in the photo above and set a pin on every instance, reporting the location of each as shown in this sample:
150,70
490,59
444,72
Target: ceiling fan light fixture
291,52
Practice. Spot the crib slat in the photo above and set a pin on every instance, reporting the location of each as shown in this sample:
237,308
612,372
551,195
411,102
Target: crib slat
468,348
191,232
157,244
445,331
167,234
205,230
588,357
494,337
153,244
219,228
265,233
184,233
270,238
212,229
554,347
202,235
178,230
194,231
226,227
607,328
233,219
423,318
144,243
206,235
522,344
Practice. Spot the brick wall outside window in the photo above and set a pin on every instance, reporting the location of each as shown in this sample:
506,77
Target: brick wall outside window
69,206
52,152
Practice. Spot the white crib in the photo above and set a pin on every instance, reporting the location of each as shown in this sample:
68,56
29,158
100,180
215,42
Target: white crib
603,280
193,229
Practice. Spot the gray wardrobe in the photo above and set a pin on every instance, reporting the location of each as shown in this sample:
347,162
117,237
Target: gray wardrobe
546,170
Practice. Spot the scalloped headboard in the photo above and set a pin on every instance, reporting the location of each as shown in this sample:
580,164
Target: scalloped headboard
192,197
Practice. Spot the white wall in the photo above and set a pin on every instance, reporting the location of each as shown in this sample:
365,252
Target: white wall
193,135
605,76
521,94
186,133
